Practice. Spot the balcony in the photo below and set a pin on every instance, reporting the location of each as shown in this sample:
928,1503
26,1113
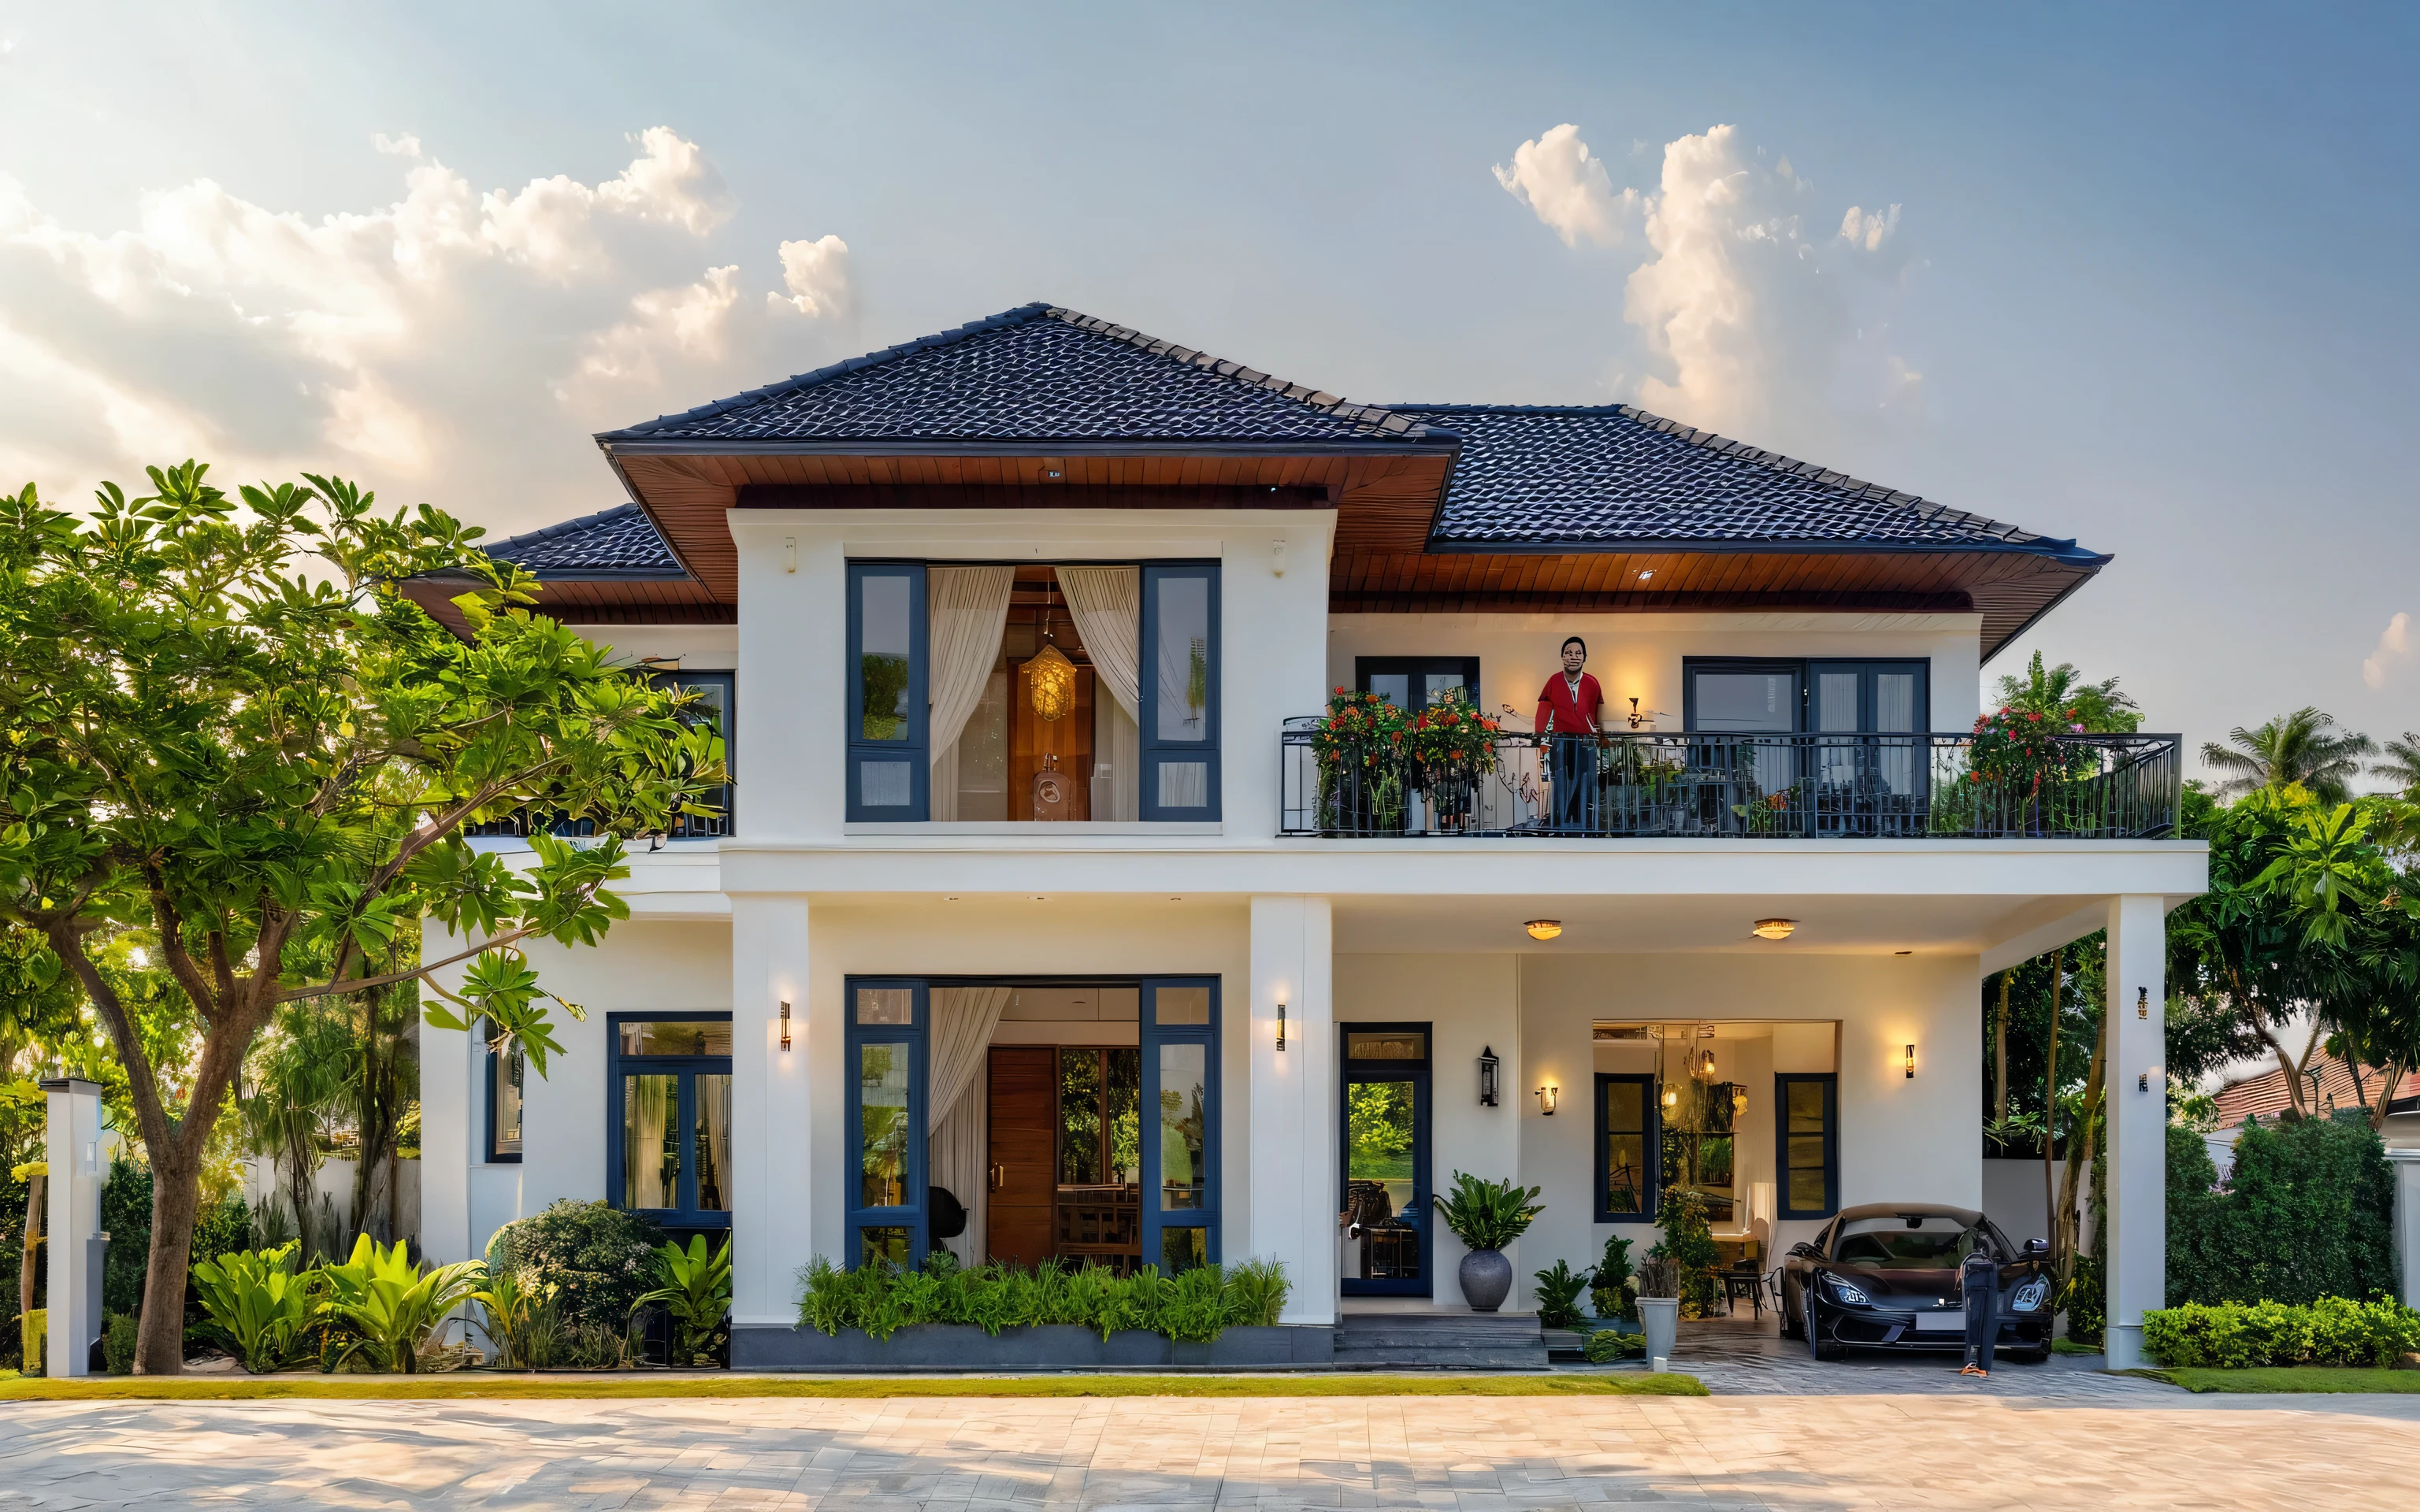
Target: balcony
522,823
1740,787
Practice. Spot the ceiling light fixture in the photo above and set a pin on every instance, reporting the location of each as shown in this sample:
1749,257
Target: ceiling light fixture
1649,572
1543,928
1050,678
1773,929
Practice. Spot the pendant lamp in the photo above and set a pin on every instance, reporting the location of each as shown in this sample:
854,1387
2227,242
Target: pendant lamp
1050,679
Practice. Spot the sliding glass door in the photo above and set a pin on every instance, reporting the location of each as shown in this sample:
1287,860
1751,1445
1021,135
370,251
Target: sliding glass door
1388,1249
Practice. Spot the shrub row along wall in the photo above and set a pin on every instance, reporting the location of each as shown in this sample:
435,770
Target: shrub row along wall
2307,1214
2240,1336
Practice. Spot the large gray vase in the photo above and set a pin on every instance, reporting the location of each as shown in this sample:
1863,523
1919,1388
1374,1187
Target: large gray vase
1659,1319
1486,1279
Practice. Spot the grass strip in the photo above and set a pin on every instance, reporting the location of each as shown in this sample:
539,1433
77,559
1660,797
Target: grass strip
543,1388
2312,1379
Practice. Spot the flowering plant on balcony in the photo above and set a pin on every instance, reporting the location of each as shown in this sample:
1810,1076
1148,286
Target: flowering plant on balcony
1451,734
1363,747
2019,752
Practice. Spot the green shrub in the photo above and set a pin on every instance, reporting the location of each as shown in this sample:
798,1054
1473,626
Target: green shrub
696,1287
2332,1331
118,1343
33,1330
1613,1287
1689,1244
384,1307
2307,1213
1256,1293
257,1307
1487,1214
1195,1307
1559,1295
1606,1345
598,1258
2085,1302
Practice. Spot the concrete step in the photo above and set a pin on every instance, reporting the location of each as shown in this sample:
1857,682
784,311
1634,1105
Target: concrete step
1438,1340
1349,1359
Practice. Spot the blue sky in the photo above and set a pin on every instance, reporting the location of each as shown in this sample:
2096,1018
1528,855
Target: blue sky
2147,282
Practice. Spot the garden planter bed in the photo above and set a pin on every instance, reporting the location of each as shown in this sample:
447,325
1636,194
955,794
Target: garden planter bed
1043,1347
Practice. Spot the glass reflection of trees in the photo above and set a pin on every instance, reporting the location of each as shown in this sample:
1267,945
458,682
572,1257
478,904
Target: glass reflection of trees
1696,1141
1098,1091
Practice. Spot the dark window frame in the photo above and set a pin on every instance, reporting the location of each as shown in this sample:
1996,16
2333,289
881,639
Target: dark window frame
916,1214
1365,668
1804,668
492,1059
1421,1074
711,826
1149,1036
1155,751
1651,1135
686,1215
1830,1081
913,749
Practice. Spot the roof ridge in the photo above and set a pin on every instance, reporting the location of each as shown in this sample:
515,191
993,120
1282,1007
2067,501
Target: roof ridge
1373,417
565,526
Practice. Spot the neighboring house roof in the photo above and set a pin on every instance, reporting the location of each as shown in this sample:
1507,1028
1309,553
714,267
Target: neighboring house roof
1539,475
2264,1096
612,543
1037,373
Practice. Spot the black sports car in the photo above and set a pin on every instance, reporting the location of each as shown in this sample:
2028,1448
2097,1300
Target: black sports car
1885,1276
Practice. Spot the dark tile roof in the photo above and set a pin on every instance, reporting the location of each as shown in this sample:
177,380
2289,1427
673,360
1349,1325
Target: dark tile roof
620,542
1038,373
1595,476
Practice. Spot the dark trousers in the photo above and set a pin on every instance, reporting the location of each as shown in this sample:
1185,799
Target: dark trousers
1573,779
1981,1285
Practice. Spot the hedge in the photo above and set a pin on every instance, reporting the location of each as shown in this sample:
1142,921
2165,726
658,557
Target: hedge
2307,1214
2332,1331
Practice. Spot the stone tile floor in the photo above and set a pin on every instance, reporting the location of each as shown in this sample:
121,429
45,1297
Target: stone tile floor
1943,1452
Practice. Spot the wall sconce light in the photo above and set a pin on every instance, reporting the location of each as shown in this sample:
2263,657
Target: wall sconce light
1547,1096
1281,1025
1773,929
1490,1065
1671,1095
2141,1002
1543,928
1911,1062
785,1026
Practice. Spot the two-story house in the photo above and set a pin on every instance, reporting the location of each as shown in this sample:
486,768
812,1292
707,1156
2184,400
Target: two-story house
1044,922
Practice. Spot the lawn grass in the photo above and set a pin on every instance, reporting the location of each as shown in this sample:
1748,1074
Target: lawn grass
2071,1346
555,1388
2325,1379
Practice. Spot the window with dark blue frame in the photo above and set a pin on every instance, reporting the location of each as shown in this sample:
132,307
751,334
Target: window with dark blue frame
717,706
1180,690
1808,1127
889,771
503,1099
1180,1123
888,1220
668,1116
1628,1148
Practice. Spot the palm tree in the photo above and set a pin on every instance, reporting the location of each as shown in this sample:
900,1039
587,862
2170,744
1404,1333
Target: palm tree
2402,765
2293,747
2062,692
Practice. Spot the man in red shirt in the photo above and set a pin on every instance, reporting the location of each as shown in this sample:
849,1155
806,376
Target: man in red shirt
1567,709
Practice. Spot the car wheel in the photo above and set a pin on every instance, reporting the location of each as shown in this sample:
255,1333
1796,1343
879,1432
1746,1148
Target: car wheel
1817,1348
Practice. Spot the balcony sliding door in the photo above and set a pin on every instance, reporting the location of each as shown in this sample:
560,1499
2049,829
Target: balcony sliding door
1180,690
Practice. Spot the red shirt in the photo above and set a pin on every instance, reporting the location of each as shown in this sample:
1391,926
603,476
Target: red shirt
1572,716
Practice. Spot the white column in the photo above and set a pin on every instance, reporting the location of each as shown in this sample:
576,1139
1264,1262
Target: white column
2407,1221
2138,1099
1293,1199
773,1160
72,1138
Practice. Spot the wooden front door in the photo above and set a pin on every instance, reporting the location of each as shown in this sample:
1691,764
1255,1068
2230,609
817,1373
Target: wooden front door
1024,1152
1050,761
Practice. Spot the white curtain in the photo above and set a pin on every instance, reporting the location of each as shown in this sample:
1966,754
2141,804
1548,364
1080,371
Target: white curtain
959,1147
966,609
1107,604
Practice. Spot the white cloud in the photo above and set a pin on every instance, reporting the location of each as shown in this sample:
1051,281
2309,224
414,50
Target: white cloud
2393,641
450,345
1750,323
1567,189
816,274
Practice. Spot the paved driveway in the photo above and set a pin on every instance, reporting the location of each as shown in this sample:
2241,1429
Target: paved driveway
1939,1453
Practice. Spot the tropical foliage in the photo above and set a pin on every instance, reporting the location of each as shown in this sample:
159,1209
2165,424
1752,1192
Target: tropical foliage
1487,1214
601,1258
258,1306
1613,1287
1688,1248
2332,1331
2062,692
695,1288
388,1306
2293,750
1559,1295
1194,1307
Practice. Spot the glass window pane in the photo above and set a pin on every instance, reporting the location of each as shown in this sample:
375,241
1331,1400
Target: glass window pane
1183,661
504,1138
886,1005
887,1246
1808,1192
1625,1107
677,1037
1080,1117
713,1143
1125,1116
886,784
1394,687
1806,1152
1806,1107
1835,701
1895,702
1379,1131
650,1141
1183,1122
1184,784
1183,1249
1437,684
1389,1045
882,1135
1761,702
1183,1005
883,648
1625,1173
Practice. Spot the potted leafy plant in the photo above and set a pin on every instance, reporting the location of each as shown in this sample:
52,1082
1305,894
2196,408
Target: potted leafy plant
1364,764
1659,1302
1559,1295
1486,1216
2016,757
1454,746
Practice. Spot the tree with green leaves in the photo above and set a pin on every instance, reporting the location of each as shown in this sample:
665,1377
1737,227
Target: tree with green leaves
2061,693
2296,749
225,722
2401,767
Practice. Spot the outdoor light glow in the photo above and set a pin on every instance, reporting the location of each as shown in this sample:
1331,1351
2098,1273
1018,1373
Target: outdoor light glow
1911,1062
1543,928
1547,1096
1773,929
1280,1024
785,1025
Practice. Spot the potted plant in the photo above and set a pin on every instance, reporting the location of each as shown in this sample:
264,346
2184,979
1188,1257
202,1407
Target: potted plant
1486,1216
1364,764
1659,1302
1454,746
2016,755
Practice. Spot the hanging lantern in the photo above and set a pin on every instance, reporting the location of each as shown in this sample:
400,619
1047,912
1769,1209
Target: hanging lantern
1050,679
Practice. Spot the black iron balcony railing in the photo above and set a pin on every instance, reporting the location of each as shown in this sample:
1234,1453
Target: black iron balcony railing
1748,786
714,825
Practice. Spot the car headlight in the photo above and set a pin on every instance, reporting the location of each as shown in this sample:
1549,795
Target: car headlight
1843,1291
2029,1297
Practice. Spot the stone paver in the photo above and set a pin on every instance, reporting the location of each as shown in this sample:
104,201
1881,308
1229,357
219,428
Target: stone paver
1942,1453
